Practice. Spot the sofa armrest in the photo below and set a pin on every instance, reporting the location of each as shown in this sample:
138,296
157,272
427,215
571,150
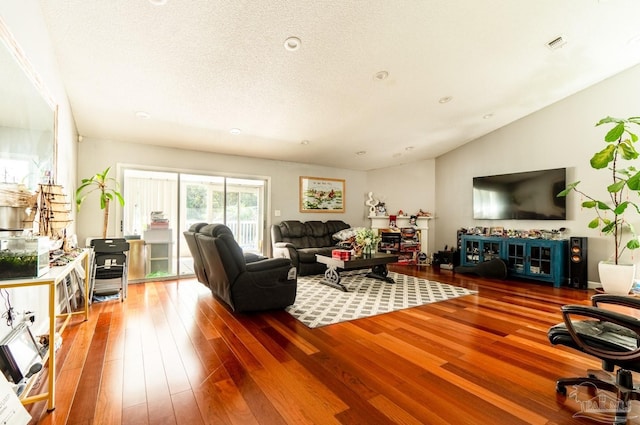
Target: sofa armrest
268,264
250,257
286,250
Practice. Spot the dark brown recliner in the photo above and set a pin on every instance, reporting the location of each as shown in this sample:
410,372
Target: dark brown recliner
245,286
198,265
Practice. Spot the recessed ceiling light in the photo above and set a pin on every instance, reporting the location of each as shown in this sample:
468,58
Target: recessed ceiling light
487,116
143,115
235,131
381,75
409,148
158,2
304,142
292,43
445,99
360,153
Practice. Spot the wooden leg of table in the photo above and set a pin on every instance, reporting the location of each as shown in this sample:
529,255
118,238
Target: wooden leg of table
332,278
51,403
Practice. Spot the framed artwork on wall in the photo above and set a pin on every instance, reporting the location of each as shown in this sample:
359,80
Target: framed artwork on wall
318,194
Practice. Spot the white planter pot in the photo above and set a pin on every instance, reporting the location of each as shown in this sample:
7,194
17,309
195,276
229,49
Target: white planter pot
616,279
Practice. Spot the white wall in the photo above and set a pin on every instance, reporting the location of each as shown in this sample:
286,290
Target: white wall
561,135
95,155
408,187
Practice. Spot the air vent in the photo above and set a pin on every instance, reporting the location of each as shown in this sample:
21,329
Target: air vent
556,43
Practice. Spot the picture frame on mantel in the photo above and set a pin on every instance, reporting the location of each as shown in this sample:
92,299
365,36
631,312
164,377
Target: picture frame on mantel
322,195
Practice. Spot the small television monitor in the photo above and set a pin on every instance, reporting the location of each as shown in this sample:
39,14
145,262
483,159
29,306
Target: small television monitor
18,352
527,195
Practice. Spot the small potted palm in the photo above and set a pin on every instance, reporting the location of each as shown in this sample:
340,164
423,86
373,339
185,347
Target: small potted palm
610,214
108,188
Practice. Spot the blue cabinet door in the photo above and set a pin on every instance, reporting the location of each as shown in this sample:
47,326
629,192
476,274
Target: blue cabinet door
516,257
538,259
477,249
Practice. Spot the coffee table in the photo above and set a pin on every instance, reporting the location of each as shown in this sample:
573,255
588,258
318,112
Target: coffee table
377,262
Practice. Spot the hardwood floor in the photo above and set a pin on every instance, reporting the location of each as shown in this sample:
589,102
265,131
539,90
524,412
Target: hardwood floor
172,354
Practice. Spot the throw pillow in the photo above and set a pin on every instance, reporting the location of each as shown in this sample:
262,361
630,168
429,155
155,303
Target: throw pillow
345,234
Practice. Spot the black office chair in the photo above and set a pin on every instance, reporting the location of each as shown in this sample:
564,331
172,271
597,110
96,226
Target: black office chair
109,267
610,336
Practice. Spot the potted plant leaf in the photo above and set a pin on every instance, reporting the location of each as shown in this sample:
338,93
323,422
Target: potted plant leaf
616,278
109,190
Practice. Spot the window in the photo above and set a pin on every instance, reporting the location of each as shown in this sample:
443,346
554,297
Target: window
185,199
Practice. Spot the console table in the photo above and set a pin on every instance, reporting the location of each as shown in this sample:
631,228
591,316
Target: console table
538,259
51,279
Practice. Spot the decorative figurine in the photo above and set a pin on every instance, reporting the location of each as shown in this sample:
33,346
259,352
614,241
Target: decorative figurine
371,202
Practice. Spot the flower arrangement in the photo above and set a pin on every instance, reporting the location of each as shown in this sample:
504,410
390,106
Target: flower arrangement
367,239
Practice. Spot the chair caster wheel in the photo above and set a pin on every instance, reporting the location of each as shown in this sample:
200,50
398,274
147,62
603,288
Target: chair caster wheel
561,389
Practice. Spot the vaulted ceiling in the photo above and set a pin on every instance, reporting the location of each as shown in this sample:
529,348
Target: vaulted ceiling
371,84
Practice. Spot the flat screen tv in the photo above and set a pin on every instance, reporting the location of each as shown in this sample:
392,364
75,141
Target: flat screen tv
529,195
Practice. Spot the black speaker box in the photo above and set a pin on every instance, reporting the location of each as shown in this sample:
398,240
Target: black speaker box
578,276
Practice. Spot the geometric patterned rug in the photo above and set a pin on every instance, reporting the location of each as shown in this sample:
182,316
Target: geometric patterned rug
319,305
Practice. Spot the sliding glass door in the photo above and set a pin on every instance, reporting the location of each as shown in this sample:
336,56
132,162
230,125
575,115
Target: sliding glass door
161,205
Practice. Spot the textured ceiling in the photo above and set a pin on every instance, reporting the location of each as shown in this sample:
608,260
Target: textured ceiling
200,68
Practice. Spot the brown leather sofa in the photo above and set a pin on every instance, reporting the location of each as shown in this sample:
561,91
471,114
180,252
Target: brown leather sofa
244,282
301,241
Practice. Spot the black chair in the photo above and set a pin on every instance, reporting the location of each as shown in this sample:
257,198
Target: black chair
198,265
244,285
612,337
109,267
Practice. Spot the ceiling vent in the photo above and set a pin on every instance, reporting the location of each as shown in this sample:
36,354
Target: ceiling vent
556,43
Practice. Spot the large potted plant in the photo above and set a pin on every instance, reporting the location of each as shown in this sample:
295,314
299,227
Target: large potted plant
616,278
109,190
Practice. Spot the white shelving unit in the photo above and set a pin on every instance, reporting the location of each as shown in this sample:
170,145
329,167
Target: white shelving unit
380,222
159,246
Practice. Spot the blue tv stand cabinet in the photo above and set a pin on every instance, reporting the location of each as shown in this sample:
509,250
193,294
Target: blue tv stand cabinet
538,259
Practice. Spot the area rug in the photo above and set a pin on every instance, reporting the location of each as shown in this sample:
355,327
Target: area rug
320,305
